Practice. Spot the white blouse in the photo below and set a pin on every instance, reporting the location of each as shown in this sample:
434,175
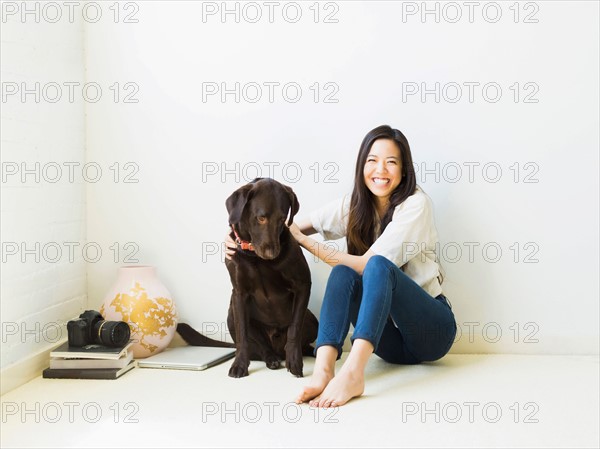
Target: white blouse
409,240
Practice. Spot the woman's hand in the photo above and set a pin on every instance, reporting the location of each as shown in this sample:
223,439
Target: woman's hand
296,233
230,247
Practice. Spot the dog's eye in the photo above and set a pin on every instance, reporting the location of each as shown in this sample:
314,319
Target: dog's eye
261,219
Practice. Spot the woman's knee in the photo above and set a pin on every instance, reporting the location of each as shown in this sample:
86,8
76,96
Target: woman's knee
341,273
377,263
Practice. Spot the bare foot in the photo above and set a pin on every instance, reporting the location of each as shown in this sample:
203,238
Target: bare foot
317,384
345,386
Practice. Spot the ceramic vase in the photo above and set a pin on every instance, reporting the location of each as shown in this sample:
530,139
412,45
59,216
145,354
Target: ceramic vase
139,298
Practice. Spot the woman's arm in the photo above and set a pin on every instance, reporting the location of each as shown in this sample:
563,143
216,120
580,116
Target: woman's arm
328,254
305,226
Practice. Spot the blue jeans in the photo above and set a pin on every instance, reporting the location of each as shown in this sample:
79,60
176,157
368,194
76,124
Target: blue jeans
373,302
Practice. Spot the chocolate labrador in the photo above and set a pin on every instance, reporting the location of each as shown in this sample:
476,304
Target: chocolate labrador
268,315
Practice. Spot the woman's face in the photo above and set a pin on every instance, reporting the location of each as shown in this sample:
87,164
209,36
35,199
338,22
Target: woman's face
383,168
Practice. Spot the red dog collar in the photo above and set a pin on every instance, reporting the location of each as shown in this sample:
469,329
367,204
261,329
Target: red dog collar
248,246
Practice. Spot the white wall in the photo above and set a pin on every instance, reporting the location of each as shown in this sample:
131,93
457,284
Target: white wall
40,212
174,216
174,137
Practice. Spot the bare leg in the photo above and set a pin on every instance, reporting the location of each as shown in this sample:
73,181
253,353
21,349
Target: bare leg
350,381
323,372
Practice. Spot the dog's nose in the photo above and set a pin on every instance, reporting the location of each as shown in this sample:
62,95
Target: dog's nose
269,252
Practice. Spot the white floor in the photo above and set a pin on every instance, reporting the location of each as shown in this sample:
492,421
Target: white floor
459,401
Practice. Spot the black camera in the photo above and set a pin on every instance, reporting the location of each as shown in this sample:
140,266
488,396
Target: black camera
92,328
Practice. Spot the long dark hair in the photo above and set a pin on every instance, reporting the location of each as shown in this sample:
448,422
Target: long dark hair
362,219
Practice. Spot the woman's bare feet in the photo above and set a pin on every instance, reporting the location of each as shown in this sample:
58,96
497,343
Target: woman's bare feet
350,382
345,386
322,374
318,382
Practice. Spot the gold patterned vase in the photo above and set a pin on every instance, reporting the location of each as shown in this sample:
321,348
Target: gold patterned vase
139,298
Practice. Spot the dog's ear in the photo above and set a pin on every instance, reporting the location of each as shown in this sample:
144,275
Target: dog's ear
294,205
237,202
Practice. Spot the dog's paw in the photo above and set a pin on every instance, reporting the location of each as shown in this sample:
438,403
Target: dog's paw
295,367
238,370
273,362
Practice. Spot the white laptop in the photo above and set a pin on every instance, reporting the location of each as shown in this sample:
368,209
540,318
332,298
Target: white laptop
188,357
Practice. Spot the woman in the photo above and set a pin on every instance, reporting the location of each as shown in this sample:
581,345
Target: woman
388,284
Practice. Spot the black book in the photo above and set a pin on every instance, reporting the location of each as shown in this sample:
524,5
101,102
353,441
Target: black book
88,373
92,351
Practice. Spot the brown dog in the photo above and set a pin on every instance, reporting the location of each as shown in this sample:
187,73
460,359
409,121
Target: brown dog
268,315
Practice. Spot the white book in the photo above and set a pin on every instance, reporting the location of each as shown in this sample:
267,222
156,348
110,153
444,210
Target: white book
91,351
63,363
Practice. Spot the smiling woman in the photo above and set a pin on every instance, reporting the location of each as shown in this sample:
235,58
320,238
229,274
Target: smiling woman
383,170
383,179
392,296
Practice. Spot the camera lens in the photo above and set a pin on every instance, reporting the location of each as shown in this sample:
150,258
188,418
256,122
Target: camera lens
112,333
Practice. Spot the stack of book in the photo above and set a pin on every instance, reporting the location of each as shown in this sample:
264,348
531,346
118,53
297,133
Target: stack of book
90,362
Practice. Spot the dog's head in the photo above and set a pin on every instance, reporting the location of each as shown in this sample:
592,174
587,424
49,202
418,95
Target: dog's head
258,212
